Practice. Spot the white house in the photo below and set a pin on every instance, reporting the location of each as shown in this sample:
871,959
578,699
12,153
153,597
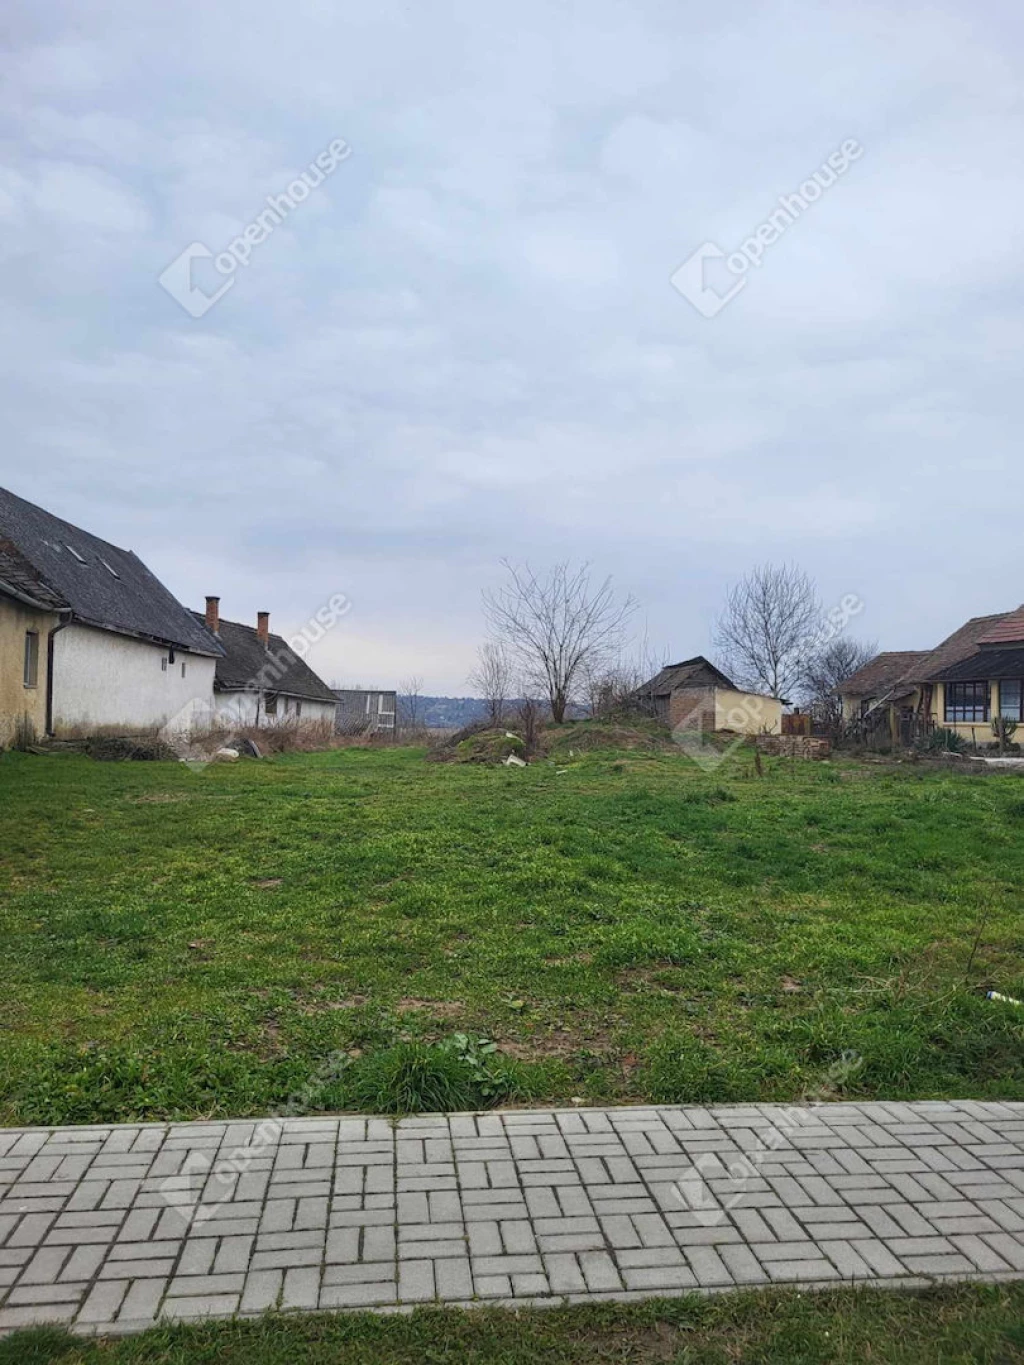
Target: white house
260,679
91,639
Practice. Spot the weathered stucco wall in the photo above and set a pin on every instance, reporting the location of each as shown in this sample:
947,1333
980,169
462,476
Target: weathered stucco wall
240,708
16,700
720,708
747,713
101,679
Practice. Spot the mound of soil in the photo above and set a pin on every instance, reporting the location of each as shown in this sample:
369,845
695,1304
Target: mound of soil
479,746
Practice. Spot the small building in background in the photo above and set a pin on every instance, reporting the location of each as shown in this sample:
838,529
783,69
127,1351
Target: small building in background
365,711
260,680
694,694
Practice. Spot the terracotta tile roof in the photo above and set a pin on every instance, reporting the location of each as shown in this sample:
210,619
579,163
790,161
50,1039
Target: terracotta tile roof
1010,630
881,673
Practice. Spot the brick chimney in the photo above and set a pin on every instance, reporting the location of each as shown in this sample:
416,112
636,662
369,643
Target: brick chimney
213,614
263,628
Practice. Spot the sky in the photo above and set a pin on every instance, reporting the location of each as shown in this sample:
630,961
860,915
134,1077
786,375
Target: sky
464,343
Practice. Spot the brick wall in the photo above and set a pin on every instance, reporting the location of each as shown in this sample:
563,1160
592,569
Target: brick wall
794,746
692,708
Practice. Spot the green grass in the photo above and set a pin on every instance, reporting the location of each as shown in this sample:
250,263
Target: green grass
307,928
966,1324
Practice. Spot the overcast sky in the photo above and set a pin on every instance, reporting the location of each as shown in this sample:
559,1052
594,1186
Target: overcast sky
465,343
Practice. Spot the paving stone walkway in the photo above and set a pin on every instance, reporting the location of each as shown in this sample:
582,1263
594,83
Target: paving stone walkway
110,1228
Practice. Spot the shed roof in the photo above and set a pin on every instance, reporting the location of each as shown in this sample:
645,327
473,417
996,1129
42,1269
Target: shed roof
101,584
688,674
275,667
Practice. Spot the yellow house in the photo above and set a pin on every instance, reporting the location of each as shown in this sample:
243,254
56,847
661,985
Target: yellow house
973,675
970,693
29,610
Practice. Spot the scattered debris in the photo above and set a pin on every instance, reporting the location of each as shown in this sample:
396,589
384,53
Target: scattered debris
1006,999
242,745
226,756
514,761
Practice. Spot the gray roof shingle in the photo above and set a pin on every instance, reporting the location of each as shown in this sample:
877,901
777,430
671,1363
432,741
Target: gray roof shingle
690,673
277,669
100,583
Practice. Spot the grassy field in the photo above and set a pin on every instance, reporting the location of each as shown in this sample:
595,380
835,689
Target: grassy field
622,925
977,1324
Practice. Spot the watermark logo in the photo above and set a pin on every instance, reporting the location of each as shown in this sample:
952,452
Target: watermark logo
700,736
179,278
711,1188
690,278
204,1183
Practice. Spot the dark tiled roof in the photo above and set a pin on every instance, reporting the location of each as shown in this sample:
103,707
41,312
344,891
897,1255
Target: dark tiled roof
18,579
1010,630
985,665
100,583
277,669
881,673
690,673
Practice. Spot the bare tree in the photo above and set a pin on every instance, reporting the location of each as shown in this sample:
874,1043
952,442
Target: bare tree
827,669
557,627
409,701
769,629
492,678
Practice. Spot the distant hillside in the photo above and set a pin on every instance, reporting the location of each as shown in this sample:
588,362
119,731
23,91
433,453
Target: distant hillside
449,713
452,713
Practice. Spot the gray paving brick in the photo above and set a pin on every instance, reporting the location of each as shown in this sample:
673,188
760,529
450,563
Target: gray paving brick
142,1300
103,1302
707,1265
599,1271
564,1274
97,1221
416,1280
301,1287
203,1306
262,1289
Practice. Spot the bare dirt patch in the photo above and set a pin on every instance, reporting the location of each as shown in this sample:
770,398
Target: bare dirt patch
441,1009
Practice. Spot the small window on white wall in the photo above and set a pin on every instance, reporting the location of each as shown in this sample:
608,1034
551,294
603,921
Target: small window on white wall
183,668
31,658
163,664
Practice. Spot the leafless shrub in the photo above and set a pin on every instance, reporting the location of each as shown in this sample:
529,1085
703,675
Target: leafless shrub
492,679
616,689
409,690
826,670
528,720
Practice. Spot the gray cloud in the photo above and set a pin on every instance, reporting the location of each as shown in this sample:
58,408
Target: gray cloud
465,344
